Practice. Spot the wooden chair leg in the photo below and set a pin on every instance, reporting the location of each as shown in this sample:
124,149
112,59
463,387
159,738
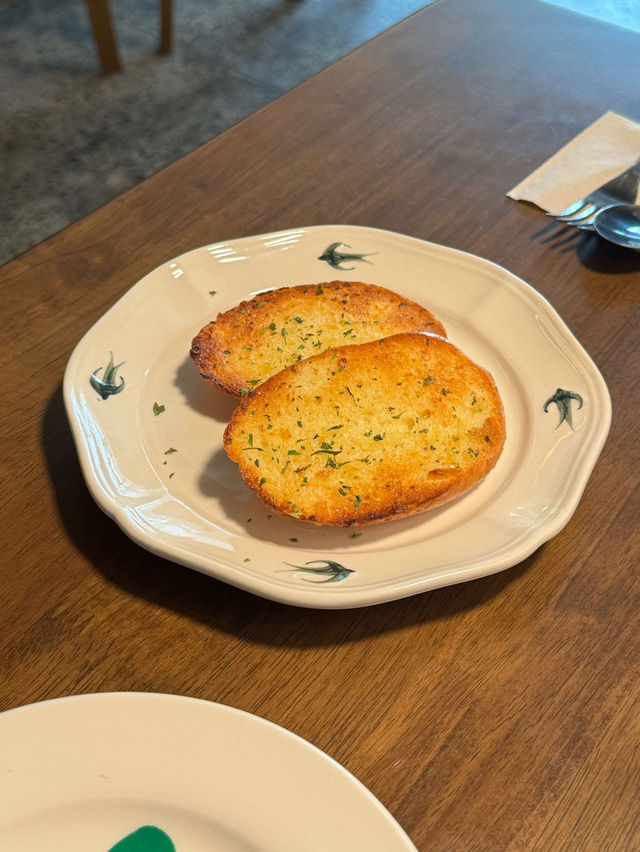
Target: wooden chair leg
100,18
166,25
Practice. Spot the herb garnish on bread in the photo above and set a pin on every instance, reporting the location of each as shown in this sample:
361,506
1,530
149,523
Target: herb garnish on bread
260,337
368,433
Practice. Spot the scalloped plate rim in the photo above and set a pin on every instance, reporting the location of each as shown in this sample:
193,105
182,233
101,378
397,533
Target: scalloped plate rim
349,595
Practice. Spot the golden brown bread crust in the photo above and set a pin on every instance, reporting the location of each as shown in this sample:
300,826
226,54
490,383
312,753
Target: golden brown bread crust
370,432
260,337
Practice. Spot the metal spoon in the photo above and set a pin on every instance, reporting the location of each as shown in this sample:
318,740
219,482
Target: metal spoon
620,224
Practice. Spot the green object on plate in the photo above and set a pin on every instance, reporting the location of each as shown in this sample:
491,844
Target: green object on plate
145,839
336,258
562,398
106,386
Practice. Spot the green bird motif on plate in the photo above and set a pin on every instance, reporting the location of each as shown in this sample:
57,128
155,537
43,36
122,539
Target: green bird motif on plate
335,258
333,571
106,385
563,398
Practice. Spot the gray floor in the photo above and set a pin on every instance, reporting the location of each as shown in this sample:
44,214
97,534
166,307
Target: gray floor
72,139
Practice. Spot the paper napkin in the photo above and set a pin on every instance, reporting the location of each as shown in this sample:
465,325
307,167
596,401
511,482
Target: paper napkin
600,152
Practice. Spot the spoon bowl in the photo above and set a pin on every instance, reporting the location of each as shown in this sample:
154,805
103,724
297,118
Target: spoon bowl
619,224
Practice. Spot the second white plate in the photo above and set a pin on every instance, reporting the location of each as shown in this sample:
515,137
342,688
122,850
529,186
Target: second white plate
126,772
149,430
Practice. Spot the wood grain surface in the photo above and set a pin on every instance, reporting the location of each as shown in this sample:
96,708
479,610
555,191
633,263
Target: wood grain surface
501,714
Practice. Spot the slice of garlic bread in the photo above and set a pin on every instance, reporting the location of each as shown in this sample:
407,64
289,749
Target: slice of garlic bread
249,343
368,433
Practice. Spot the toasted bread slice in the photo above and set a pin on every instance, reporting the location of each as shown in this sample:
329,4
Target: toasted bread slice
258,338
370,432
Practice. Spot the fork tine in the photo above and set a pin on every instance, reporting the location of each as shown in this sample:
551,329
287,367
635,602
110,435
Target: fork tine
587,222
587,211
571,209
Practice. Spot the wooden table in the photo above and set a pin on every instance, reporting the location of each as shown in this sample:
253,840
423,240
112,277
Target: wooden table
497,714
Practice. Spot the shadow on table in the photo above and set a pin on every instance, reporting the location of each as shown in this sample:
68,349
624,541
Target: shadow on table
592,251
182,590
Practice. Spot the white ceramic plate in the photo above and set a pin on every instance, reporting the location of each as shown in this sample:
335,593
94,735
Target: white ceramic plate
164,476
118,772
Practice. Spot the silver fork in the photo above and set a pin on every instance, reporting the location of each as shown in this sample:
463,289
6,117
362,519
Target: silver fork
622,189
